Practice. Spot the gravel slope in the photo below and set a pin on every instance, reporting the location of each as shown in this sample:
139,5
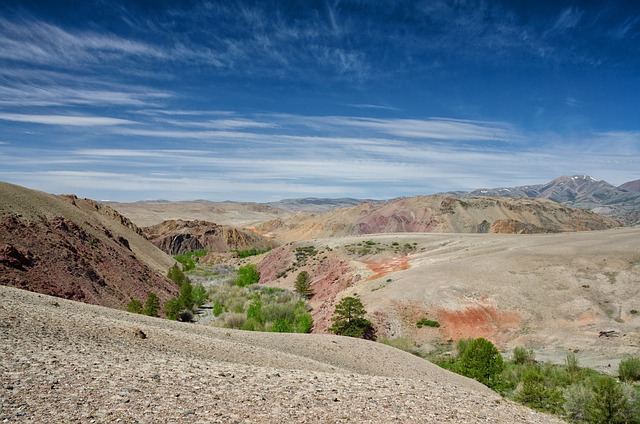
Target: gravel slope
63,361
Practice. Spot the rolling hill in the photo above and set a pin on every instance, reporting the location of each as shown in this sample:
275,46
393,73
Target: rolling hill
94,364
439,214
553,293
77,249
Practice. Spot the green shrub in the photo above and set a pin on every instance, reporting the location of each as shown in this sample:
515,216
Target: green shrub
522,356
428,323
609,403
629,369
247,275
281,326
462,345
254,311
172,308
176,274
218,308
577,399
482,361
251,324
199,295
536,394
250,252
303,323
134,306
573,365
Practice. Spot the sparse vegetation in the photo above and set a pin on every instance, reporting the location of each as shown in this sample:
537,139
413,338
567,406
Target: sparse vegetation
424,322
349,320
188,259
259,308
250,252
577,394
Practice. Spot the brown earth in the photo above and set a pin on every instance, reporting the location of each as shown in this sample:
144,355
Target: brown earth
63,361
178,236
76,249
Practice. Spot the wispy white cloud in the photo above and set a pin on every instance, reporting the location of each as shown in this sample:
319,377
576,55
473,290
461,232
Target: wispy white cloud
38,42
79,121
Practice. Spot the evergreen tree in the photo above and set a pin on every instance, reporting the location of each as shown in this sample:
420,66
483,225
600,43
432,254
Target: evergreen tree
134,306
349,320
482,361
303,285
152,305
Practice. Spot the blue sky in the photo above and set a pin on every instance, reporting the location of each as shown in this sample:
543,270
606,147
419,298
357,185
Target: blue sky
264,100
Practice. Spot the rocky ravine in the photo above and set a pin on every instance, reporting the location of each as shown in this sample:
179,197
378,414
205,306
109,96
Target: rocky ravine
63,361
178,236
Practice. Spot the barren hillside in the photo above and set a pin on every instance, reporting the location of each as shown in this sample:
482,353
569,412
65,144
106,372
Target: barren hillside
240,214
63,361
550,292
76,249
440,214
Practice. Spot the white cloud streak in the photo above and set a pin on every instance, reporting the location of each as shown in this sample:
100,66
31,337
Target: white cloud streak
76,121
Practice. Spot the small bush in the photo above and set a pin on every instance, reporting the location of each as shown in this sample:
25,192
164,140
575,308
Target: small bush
573,365
134,306
522,356
234,320
629,369
218,308
537,394
577,399
427,323
247,275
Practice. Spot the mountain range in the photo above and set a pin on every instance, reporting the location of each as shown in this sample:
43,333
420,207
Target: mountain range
578,191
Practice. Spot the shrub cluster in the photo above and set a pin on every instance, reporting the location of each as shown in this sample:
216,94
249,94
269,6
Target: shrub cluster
181,308
151,306
259,308
424,322
188,259
250,252
577,394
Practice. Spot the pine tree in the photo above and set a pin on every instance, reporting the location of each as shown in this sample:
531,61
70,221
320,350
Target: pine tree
152,305
349,320
303,285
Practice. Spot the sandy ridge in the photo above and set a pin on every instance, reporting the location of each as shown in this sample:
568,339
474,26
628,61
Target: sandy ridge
62,361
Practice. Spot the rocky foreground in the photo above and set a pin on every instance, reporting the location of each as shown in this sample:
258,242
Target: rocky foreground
63,361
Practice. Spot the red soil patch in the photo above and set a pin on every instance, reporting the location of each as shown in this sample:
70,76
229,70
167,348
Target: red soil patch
385,267
478,321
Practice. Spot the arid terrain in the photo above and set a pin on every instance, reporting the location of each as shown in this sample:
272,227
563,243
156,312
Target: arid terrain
553,293
63,361
519,272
